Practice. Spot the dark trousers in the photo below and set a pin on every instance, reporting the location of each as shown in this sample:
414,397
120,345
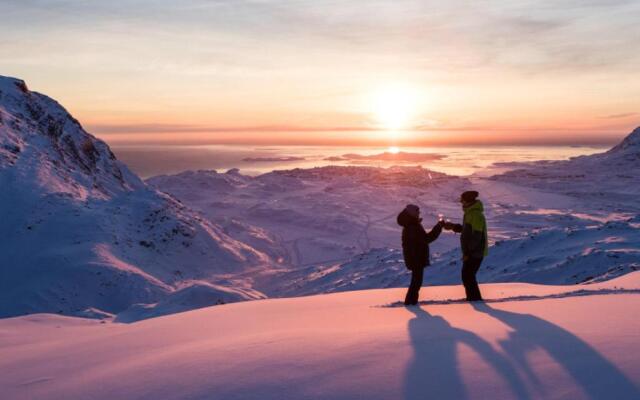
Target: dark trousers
414,288
469,270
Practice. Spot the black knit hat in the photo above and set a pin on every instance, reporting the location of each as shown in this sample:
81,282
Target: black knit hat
469,196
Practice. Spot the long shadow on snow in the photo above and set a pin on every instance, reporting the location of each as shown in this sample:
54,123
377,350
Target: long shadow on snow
433,373
598,377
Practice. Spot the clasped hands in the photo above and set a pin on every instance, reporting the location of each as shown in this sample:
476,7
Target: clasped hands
446,225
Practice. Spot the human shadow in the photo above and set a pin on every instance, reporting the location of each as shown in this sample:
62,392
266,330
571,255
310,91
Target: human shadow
598,377
434,371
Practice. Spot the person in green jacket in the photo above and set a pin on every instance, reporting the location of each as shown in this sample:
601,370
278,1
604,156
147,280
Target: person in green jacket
473,241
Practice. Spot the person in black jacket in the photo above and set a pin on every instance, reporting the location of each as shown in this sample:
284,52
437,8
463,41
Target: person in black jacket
415,248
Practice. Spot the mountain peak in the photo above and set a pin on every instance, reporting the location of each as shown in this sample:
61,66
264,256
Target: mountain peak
630,143
86,236
8,83
40,138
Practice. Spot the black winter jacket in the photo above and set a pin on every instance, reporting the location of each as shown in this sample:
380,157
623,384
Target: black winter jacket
415,241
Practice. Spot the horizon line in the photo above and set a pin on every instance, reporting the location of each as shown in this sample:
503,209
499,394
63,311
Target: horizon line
360,143
166,134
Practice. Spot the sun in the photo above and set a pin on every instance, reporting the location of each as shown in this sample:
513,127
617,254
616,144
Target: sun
394,107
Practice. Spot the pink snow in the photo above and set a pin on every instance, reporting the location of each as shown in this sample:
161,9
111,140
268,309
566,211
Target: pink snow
557,342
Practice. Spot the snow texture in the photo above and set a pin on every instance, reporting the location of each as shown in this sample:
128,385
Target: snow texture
80,232
532,342
334,228
82,236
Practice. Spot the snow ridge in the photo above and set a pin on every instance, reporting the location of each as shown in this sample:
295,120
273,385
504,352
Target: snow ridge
87,236
39,135
631,143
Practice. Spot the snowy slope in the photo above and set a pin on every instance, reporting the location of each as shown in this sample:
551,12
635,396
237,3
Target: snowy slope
528,342
628,149
607,180
311,216
82,235
316,221
333,228
552,255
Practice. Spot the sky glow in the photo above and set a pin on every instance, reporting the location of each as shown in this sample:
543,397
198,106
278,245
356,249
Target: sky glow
264,71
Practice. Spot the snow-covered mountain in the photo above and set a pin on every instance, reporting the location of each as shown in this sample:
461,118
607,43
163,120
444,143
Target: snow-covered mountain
564,222
82,235
629,147
607,180
319,222
561,222
318,215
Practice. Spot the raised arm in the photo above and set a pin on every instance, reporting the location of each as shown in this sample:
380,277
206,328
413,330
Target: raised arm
434,233
457,228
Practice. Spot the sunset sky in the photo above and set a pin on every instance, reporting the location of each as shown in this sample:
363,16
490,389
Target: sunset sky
330,72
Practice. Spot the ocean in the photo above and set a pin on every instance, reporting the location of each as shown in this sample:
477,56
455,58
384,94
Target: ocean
152,160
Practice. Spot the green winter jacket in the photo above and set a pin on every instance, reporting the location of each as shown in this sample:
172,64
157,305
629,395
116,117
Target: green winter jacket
473,239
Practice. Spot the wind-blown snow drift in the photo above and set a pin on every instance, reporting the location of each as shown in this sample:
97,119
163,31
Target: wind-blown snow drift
82,235
527,342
